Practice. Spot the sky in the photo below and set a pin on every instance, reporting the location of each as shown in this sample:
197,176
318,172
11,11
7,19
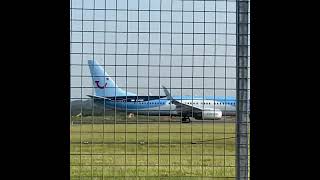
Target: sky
191,42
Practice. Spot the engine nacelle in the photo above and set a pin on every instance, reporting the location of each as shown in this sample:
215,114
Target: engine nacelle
209,114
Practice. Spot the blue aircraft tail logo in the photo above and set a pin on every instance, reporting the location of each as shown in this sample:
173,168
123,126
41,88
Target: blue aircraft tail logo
101,87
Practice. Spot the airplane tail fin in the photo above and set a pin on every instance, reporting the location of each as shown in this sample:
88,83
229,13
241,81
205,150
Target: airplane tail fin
102,82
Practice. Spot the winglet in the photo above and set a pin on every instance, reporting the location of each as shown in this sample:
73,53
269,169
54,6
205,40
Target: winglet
167,93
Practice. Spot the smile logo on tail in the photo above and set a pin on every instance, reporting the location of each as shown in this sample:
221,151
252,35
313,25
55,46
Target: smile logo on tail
101,87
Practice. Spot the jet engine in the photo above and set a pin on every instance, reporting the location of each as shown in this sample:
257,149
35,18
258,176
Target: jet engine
209,114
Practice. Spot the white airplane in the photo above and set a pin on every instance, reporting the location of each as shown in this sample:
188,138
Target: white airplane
108,94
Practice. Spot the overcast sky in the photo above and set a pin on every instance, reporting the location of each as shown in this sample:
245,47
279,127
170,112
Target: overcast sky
196,35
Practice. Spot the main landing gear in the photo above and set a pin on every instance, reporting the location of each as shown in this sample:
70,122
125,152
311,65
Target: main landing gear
186,120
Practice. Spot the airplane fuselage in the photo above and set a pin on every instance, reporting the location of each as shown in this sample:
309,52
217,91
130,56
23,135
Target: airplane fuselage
161,106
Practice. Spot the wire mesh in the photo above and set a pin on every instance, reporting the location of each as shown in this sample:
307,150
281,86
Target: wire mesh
132,129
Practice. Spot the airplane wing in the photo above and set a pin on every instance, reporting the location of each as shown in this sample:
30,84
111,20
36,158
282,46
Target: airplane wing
180,107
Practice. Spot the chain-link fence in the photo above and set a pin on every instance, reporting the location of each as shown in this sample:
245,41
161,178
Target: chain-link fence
159,89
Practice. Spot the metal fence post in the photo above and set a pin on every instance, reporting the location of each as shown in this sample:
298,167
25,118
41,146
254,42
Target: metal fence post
242,90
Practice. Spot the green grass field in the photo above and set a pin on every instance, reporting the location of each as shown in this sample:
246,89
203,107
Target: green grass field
153,151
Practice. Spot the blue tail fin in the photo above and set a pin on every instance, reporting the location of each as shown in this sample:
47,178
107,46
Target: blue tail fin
103,84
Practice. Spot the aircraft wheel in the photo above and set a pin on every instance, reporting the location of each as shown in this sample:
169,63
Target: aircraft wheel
186,120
